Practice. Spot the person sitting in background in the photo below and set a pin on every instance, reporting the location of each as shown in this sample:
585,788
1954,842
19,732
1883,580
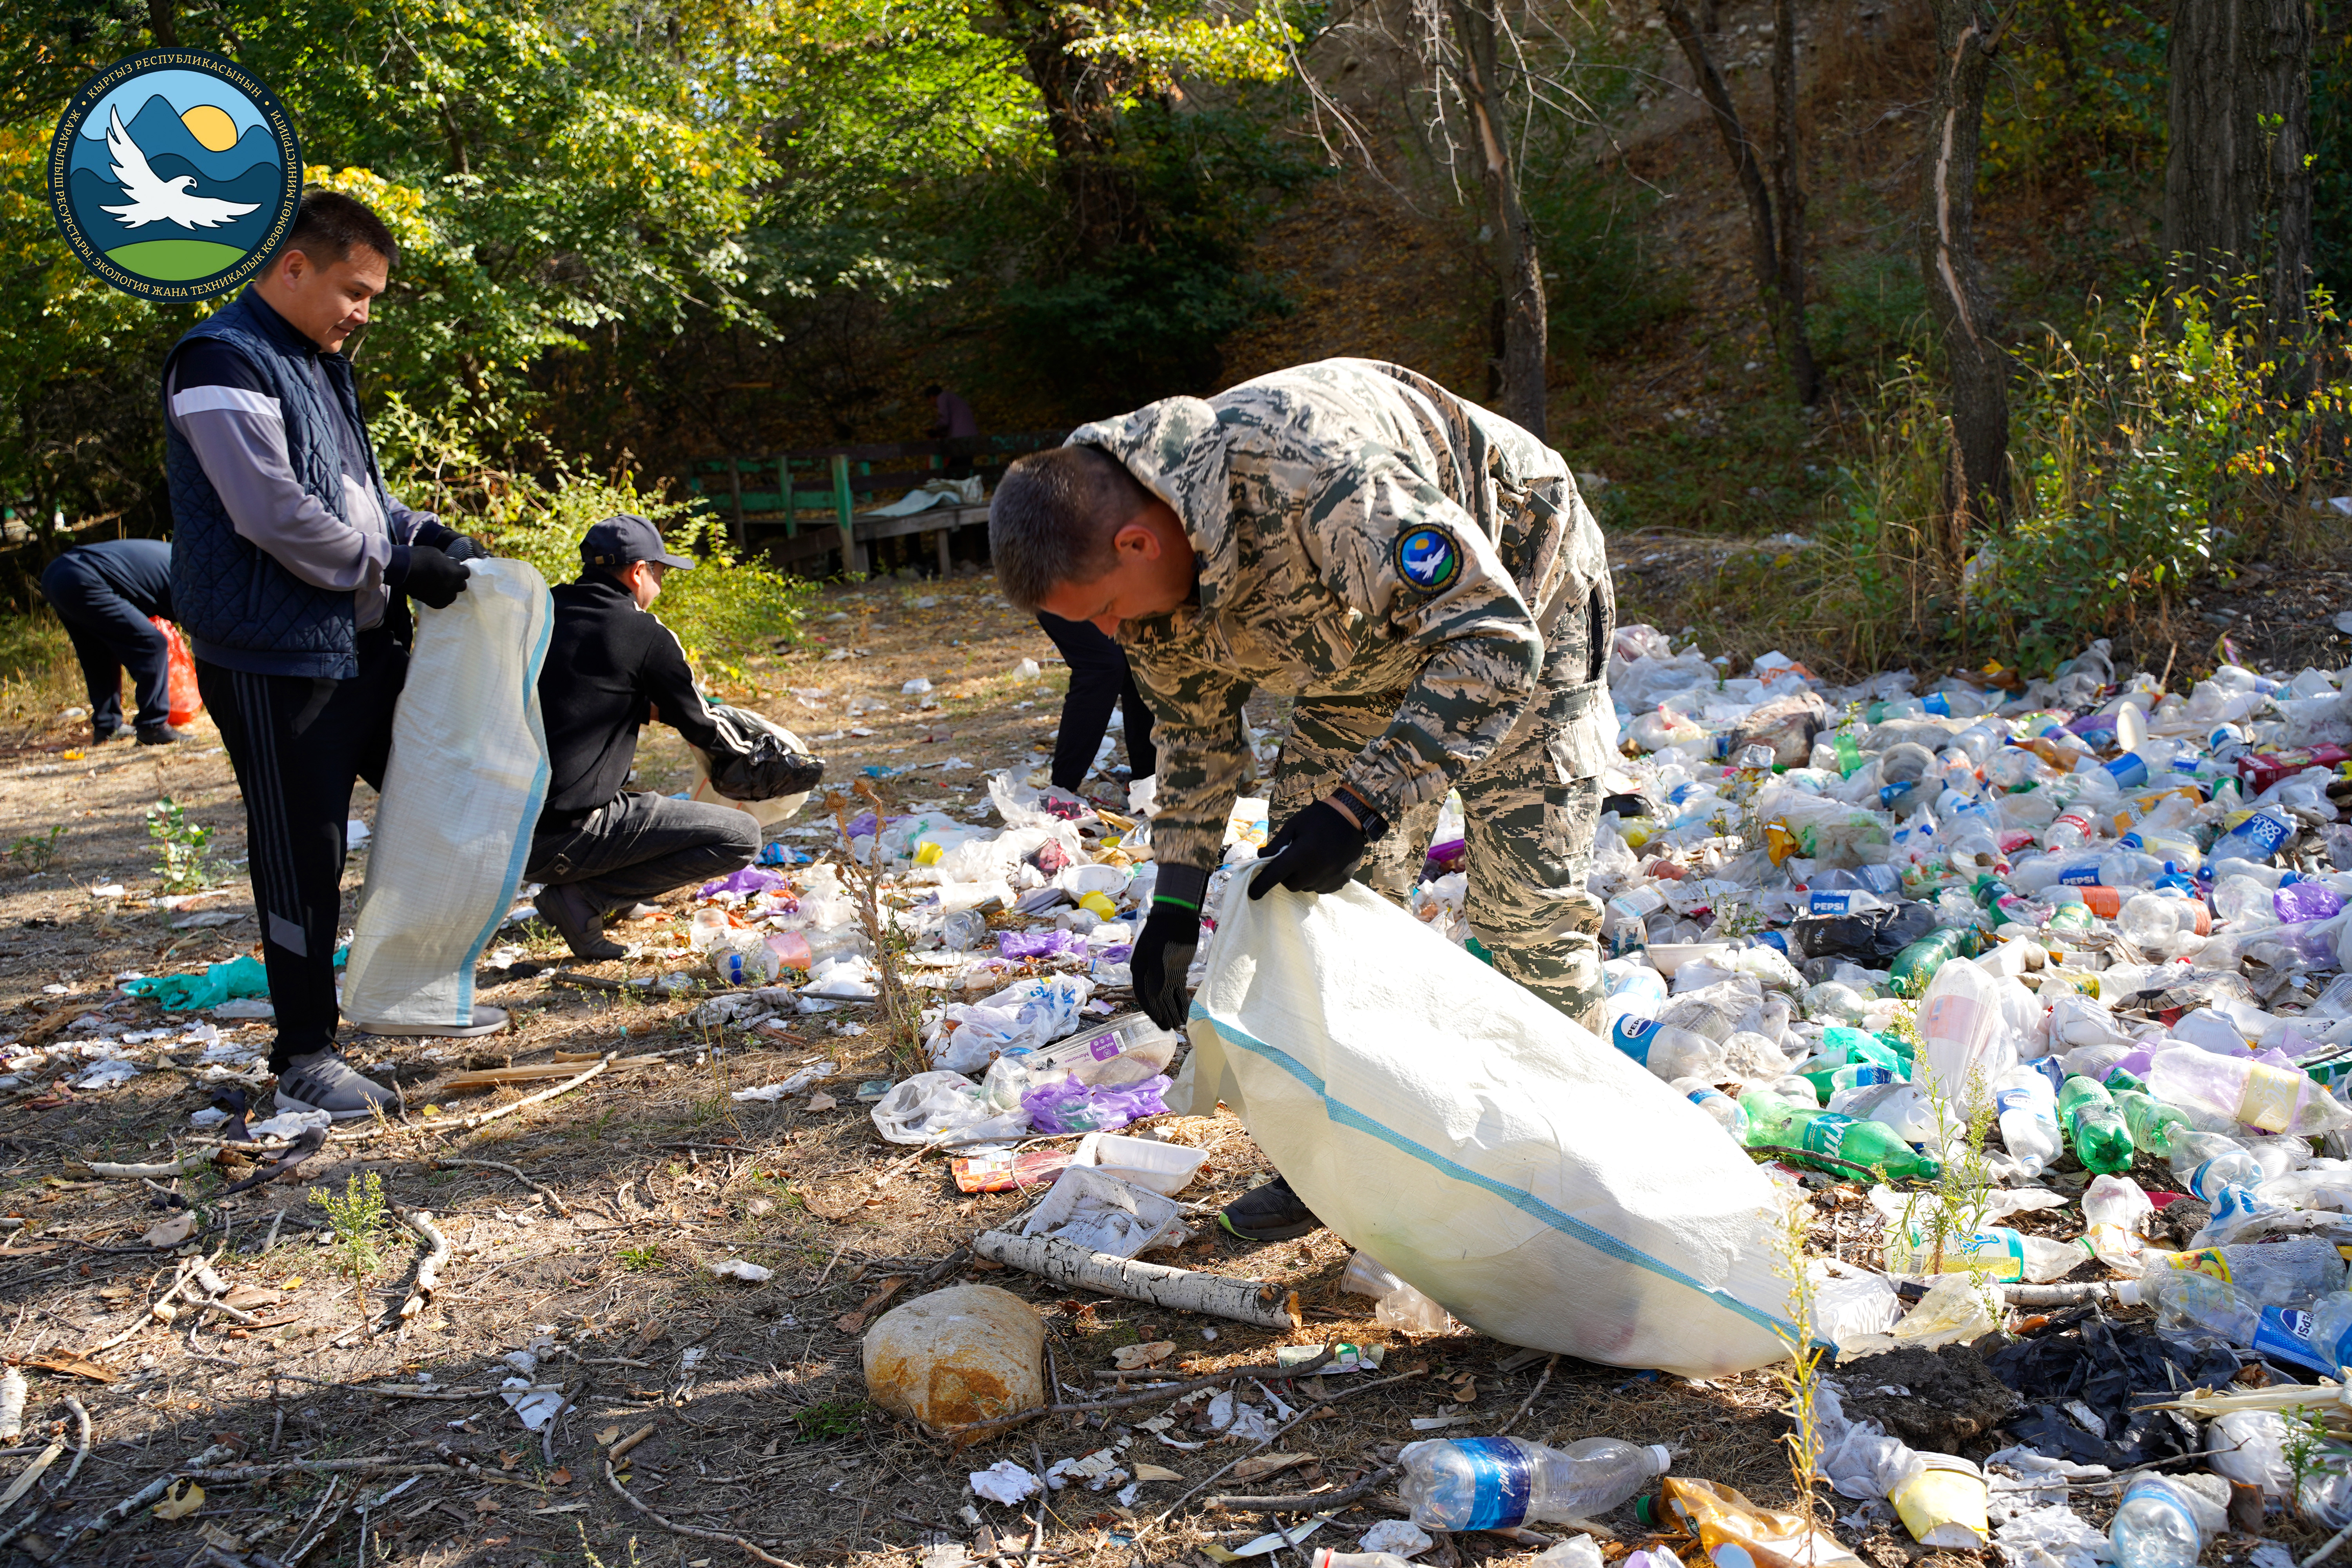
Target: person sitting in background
1099,682
955,419
106,593
611,668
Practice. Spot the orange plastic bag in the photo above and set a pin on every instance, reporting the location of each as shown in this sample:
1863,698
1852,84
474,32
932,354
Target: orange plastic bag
186,701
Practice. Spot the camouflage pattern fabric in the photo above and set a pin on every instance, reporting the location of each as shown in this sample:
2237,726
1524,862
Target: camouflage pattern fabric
1422,577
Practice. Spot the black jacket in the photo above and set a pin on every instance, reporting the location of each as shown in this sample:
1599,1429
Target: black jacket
607,662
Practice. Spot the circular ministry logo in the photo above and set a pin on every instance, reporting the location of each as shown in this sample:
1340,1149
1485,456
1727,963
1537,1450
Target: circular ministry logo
174,174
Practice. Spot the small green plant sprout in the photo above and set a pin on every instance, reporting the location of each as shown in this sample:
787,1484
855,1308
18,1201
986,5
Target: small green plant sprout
32,852
180,846
641,1260
1800,1375
357,1219
834,1418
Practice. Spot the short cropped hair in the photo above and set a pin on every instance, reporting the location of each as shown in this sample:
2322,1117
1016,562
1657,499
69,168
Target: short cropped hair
329,225
1053,517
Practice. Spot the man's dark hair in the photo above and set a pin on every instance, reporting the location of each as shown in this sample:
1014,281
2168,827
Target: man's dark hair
1053,518
933,389
330,224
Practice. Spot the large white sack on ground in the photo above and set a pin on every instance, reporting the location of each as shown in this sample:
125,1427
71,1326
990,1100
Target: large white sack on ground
1537,1183
461,794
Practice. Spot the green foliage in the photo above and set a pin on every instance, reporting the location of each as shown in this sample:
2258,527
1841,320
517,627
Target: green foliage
724,607
832,1418
1145,316
1870,303
2083,87
179,846
2146,453
1604,289
357,1217
641,1260
34,851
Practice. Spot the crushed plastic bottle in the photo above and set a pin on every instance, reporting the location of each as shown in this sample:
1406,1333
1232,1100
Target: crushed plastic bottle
1500,1483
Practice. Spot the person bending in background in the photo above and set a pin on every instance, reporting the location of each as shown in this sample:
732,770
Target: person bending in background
291,570
611,668
1099,682
954,419
106,593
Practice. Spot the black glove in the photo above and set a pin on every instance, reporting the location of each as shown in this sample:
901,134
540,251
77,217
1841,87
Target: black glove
1316,852
466,547
432,577
1164,948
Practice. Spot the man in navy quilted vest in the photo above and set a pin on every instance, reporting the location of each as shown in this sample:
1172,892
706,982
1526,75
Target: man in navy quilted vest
292,565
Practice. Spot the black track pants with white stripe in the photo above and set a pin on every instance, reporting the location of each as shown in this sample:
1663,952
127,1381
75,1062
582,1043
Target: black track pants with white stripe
299,744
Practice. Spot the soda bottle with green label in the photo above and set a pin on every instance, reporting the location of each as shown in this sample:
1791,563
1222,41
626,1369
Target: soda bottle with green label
2095,1129
1802,1131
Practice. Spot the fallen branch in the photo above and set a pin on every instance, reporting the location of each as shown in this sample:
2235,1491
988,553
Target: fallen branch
186,1164
81,1418
439,1161
490,1078
428,1268
469,1123
396,1390
721,1536
1533,1394
2057,1295
1177,1290
965,1434
100,1523
157,1312
1303,1500
29,1474
382,1464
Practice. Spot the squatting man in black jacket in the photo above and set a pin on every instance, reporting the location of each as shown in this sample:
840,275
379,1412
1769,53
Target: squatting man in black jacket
610,668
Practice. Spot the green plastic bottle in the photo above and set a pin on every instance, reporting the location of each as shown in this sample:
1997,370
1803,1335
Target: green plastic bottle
1849,755
2151,1122
1916,964
1774,1122
2094,1128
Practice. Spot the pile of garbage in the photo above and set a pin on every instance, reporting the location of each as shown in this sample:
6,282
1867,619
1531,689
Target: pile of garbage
2029,996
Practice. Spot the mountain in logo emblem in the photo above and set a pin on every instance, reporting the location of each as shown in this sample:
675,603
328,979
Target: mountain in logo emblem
174,174
1427,559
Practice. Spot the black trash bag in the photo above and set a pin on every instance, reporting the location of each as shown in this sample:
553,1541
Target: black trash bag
1870,939
757,759
2107,1371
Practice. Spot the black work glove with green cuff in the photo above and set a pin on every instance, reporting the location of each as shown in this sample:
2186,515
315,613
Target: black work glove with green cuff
1316,852
1164,948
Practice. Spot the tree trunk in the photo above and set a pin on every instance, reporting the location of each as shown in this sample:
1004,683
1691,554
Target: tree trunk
163,26
1967,32
1788,197
1518,266
1080,95
2237,188
1774,256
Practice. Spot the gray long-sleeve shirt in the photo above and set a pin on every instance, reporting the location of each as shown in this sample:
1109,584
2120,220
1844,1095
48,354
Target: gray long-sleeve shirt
216,402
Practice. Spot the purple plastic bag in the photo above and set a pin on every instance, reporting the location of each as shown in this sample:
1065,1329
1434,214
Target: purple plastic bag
750,879
1019,944
2300,901
1073,1107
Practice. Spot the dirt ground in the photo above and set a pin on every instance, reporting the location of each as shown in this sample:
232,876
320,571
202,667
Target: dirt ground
327,1428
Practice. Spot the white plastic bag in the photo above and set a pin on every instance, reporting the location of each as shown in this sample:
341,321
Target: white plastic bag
942,1108
1539,1184
461,796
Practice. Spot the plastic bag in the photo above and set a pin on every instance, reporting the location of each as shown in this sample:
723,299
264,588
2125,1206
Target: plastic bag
241,976
461,797
941,1107
1730,1529
1071,1106
1103,1214
1537,1183
185,700
769,757
1026,1014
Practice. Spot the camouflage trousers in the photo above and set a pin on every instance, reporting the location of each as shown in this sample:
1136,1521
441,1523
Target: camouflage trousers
1530,811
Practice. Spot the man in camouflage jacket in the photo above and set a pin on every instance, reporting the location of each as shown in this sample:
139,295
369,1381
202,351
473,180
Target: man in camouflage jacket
1421,576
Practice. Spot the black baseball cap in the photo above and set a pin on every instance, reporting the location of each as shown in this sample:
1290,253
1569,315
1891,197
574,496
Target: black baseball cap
624,538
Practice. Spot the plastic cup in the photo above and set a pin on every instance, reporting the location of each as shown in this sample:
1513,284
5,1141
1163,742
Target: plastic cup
1944,1504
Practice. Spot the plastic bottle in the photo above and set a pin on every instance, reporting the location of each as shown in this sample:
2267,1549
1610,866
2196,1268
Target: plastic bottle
2271,1274
1714,1102
2151,1123
1916,964
2209,1165
2094,1128
709,925
1499,1483
2156,1525
1999,1252
2274,1098
1665,1050
2028,1109
1776,1124
2151,919
965,930
2258,837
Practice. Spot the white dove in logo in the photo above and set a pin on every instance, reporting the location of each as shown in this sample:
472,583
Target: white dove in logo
154,200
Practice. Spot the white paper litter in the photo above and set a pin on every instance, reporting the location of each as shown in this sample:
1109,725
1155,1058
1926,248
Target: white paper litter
245,1007
739,1269
534,1410
770,1092
107,1075
288,1124
1291,1537
1006,1482
1401,1536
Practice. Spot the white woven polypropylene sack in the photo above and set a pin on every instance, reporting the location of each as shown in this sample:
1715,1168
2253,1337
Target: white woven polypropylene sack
461,795
1540,1186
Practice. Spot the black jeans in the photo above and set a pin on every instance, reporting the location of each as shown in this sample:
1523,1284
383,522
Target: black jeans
643,845
109,638
299,744
1100,680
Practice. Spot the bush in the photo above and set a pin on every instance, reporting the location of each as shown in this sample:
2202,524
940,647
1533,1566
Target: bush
725,608
2144,452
